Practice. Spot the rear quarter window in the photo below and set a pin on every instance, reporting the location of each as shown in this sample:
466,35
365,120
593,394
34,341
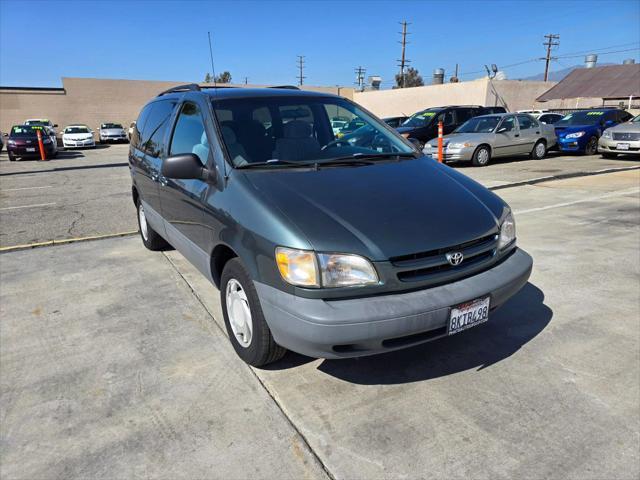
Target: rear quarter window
153,133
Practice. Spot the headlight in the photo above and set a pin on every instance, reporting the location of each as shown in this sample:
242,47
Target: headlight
459,145
305,268
607,134
507,231
575,135
11,142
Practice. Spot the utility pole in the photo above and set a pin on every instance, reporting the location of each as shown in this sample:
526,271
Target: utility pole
301,77
551,42
403,61
360,77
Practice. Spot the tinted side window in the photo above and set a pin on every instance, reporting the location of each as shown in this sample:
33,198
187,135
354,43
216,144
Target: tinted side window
464,114
447,118
155,127
139,126
526,122
624,116
509,123
189,135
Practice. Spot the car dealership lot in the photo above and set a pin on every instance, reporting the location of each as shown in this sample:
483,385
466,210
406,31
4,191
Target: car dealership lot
114,361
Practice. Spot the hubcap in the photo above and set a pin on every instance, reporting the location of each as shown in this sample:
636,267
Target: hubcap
143,223
540,150
483,156
239,313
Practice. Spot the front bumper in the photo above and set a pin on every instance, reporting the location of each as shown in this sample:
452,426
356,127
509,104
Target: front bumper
572,144
114,138
78,143
451,154
608,145
364,326
24,150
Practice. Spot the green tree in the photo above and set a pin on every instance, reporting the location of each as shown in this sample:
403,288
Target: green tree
208,78
224,77
412,78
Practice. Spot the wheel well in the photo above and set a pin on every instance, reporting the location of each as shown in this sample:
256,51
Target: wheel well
219,258
488,147
134,195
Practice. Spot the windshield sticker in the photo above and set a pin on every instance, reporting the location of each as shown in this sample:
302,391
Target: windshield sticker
427,114
595,113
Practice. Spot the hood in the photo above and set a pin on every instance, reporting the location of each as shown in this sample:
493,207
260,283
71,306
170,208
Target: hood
382,210
24,140
112,131
632,127
562,131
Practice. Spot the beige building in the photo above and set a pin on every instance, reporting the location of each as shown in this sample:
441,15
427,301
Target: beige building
92,101
511,94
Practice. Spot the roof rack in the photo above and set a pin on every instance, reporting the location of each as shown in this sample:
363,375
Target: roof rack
286,87
193,87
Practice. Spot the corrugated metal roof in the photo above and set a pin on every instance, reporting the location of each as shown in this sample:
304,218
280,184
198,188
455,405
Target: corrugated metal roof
609,82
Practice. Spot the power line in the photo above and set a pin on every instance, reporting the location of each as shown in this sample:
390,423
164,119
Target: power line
403,61
301,77
360,77
591,50
551,42
602,53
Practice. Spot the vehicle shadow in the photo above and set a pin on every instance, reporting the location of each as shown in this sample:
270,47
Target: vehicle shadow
510,327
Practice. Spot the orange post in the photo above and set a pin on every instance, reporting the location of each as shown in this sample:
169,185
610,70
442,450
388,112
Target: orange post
41,145
440,152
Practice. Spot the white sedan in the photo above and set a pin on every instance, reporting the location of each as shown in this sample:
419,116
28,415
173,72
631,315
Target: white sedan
78,136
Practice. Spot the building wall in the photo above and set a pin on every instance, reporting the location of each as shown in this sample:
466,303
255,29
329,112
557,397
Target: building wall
93,101
513,94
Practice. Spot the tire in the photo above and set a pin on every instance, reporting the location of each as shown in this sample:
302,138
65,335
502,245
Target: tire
12,157
592,146
539,150
609,155
481,157
250,335
150,238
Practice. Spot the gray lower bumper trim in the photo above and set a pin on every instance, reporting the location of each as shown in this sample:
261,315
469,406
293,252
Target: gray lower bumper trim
364,326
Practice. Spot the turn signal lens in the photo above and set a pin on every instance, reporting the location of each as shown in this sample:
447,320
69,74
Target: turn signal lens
298,267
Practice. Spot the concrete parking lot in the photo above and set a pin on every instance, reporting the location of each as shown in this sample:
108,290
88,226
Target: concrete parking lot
114,361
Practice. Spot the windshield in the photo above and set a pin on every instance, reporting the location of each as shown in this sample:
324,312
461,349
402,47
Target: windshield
44,123
298,129
479,125
636,119
590,117
110,125
421,119
24,131
76,130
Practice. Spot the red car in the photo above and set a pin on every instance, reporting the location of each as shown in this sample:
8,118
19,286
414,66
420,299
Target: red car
23,142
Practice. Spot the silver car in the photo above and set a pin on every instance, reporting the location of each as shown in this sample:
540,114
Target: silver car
112,132
497,135
624,138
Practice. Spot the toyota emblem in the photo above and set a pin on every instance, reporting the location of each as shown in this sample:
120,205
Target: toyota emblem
455,258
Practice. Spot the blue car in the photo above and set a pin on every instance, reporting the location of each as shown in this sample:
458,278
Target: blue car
579,131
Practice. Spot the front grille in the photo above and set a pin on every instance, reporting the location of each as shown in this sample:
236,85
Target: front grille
632,136
433,265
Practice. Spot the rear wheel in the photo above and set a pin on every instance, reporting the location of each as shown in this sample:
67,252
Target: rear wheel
539,150
247,329
150,238
592,146
481,156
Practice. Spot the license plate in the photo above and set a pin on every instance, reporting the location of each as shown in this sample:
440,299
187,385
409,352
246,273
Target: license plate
31,149
468,315
622,146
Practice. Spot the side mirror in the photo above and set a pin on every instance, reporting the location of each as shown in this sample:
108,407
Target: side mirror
185,166
5,134
502,130
55,125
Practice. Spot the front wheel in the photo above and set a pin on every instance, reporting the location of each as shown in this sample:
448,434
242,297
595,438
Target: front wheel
247,329
12,157
481,157
150,238
592,146
539,150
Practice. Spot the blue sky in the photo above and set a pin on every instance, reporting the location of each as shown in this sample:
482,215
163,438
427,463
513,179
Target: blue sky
167,40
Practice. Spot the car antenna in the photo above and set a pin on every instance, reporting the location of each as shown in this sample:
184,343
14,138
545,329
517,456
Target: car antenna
213,70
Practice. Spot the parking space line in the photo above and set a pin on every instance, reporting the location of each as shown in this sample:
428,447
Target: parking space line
29,206
64,241
24,188
619,193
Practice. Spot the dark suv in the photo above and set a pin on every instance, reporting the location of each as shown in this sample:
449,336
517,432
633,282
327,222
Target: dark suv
318,245
423,126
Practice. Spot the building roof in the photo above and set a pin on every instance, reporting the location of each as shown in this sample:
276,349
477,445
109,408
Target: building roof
608,82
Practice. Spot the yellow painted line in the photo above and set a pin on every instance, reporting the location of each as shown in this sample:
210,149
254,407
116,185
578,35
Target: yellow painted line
64,241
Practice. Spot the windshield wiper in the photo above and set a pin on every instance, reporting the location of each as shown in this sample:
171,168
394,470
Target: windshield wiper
365,158
275,162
